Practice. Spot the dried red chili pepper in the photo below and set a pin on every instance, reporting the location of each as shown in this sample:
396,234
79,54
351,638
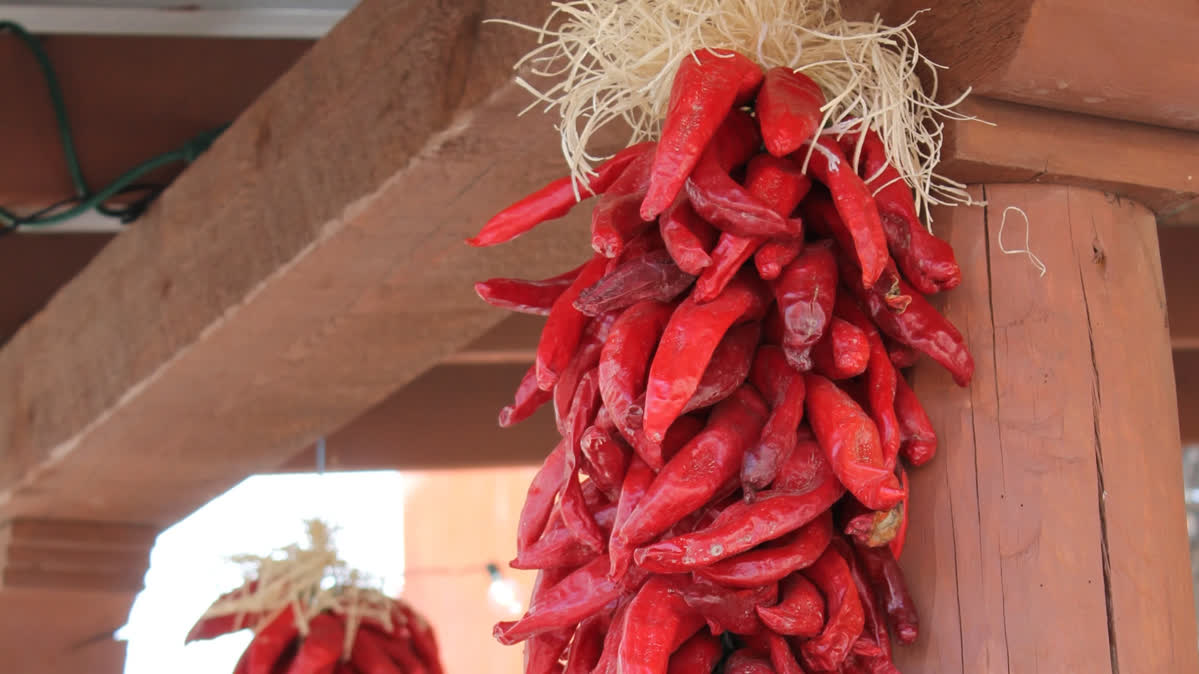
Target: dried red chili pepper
529,397
728,368
901,535
851,442
832,577
526,297
585,358
214,626
616,217
321,648
553,201
625,359
873,647
919,440
854,205
585,647
886,578
687,236
611,649
609,458
542,650
658,621
744,661
788,109
653,276
727,609
577,596
693,476
842,353
697,655
781,655
705,88
558,546
799,611
873,527
774,255
564,327
271,641
783,388
368,655
809,488
687,345
902,356
805,292
400,652
576,514
539,501
774,560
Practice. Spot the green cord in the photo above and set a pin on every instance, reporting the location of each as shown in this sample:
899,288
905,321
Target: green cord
89,200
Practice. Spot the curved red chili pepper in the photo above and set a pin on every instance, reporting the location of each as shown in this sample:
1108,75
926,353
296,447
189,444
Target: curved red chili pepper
553,201
873,647
687,345
744,661
799,611
368,655
321,648
539,501
215,626
585,358
609,458
526,297
564,326
842,353
731,208
727,609
558,545
783,388
400,652
616,217
781,655
851,442
687,236
806,493
919,440
774,560
608,654
788,108
587,644
854,205
705,88
901,535
728,368
271,641
423,638
694,475
576,515
873,528
832,577
653,276
902,356
805,292
880,386
887,580
658,621
774,255
576,597
625,360
699,654
529,397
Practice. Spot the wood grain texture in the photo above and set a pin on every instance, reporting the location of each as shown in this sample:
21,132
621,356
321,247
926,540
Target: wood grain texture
1179,251
303,269
1186,375
35,267
57,632
1048,509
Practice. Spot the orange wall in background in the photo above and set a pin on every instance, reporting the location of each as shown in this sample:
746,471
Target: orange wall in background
456,521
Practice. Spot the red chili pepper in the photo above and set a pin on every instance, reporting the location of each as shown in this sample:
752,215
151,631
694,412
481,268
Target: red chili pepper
922,328
401,653
726,609
423,638
731,208
526,297
576,597
927,262
616,217
687,236
529,398
609,458
887,580
587,645
728,368
271,641
368,655
777,185
706,86
901,535
873,528
697,655
543,650
800,610
539,501
686,347
880,383
842,353
788,108
851,442
832,577
564,327
774,255
575,512
808,491
774,560
611,649
559,546
873,647
585,358
693,476
854,205
783,388
658,622
805,292
822,214
651,277
321,648
781,655
902,356
552,201
218,625
744,661
625,360
919,440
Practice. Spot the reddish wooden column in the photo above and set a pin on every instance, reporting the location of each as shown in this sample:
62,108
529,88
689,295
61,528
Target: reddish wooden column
1049,533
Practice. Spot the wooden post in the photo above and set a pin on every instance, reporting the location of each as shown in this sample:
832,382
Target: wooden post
1049,534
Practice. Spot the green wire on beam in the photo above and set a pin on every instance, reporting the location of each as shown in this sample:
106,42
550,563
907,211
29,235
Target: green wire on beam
88,200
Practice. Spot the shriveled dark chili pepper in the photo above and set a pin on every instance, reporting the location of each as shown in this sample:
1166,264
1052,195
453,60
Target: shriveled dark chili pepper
553,201
697,655
788,108
539,502
874,645
854,205
529,397
694,475
625,359
781,655
728,368
586,645
744,661
873,528
805,292
687,345
774,255
688,238
706,86
842,353
586,357
783,388
774,560
658,622
919,440
887,580
526,297
902,356
728,609
809,491
609,457
651,277
564,326
574,509
832,577
879,385
616,217
851,442
799,611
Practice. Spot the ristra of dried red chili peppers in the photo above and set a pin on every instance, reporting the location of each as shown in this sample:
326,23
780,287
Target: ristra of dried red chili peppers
726,377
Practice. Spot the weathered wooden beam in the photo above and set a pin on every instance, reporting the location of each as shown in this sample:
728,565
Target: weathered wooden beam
62,632
307,265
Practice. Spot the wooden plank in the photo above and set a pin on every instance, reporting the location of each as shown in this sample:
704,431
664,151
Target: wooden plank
35,267
1040,504
1179,250
56,632
1186,376
304,268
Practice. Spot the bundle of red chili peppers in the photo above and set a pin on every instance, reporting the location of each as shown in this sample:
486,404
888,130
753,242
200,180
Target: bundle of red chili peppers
727,495
406,646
